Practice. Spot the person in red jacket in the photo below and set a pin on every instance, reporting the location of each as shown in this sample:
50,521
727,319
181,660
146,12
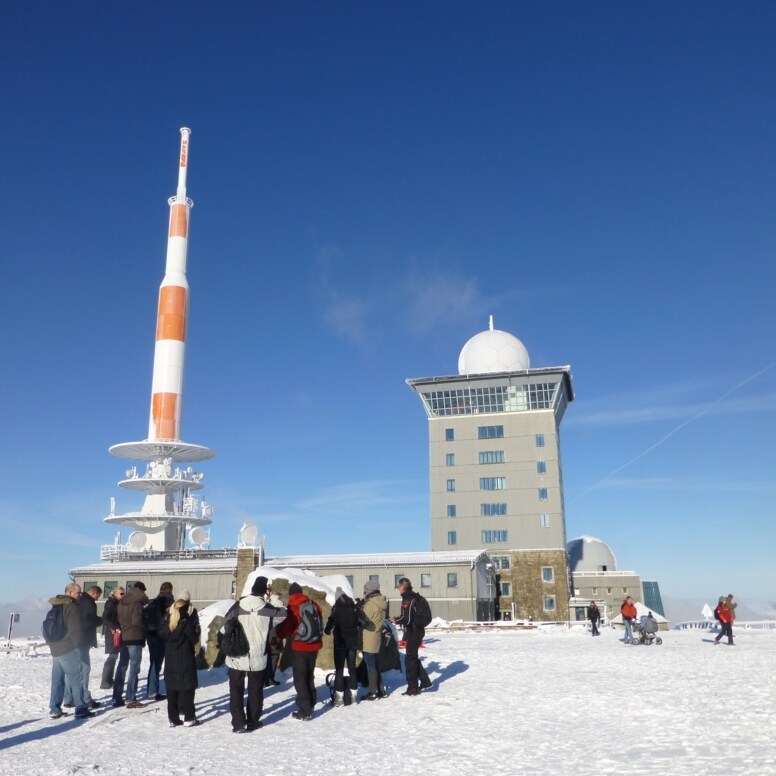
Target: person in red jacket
726,622
628,612
304,625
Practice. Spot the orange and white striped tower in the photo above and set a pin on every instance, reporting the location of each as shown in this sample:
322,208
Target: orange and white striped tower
169,507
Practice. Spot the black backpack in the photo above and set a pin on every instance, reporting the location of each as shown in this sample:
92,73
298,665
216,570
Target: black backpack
54,627
152,615
233,642
421,612
310,627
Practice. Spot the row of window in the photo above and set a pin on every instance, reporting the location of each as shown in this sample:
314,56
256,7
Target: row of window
490,432
506,398
494,456
495,510
495,536
496,483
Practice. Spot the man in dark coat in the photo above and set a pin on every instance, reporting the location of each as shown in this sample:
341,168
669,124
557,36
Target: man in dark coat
66,660
133,633
417,678
154,614
594,615
88,606
343,620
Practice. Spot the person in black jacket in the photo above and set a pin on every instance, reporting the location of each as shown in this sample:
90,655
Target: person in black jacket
343,620
417,678
88,606
154,614
180,629
594,615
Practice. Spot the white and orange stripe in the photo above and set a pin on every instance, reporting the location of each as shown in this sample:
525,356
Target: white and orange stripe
169,354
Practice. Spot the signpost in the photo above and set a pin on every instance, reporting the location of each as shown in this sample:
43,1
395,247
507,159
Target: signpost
15,616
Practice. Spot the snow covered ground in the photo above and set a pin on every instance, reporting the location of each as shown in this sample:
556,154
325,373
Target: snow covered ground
552,701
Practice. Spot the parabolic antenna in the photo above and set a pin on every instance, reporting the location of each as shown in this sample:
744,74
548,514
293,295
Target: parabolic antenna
248,535
137,540
198,535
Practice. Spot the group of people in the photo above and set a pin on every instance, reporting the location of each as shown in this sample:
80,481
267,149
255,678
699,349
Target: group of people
129,621
172,631
629,617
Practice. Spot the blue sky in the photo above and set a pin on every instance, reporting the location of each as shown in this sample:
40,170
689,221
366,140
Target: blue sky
371,181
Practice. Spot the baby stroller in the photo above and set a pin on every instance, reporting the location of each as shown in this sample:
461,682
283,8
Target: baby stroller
645,632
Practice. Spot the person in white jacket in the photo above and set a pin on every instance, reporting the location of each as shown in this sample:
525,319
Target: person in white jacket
257,618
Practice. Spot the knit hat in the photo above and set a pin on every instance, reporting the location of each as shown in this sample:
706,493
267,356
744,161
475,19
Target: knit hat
259,586
185,595
370,586
295,587
140,586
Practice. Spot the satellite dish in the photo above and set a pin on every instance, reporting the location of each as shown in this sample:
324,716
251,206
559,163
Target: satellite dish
137,540
198,535
207,510
248,535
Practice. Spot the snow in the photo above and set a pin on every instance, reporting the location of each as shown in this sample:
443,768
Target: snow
547,701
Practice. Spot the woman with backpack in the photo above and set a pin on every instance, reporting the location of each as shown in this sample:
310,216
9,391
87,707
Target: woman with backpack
343,620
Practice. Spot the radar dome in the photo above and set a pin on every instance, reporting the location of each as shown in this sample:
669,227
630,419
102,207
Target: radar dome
493,351
587,553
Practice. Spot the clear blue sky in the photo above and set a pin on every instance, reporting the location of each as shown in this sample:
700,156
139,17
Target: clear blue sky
371,182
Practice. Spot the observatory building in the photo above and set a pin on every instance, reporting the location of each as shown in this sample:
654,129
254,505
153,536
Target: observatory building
495,471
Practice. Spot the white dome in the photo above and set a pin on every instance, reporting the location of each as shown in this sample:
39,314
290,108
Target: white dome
493,351
587,553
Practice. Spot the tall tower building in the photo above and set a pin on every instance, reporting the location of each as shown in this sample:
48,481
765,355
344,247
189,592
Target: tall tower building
170,506
495,469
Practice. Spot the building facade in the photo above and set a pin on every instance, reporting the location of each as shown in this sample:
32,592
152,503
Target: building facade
495,471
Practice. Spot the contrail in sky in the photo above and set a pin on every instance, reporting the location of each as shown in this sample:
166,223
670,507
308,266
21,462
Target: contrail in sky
673,431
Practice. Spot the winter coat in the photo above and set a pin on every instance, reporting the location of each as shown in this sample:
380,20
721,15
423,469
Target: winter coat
343,620
91,620
133,627
593,613
725,615
180,661
375,608
628,611
73,617
405,619
257,618
110,623
290,625
159,607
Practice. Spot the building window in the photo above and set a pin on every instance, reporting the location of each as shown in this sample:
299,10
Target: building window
452,580
506,588
541,467
501,561
544,521
451,486
594,591
109,588
396,578
625,591
540,440
449,435
130,584
608,591
451,510
493,483
494,537
490,432
491,510
549,603
349,577
450,459
452,537
548,574
87,585
425,580
492,456
375,578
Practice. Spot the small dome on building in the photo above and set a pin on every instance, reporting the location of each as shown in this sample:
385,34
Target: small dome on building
493,351
587,553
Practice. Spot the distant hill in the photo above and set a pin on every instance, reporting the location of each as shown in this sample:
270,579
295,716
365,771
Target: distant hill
678,610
